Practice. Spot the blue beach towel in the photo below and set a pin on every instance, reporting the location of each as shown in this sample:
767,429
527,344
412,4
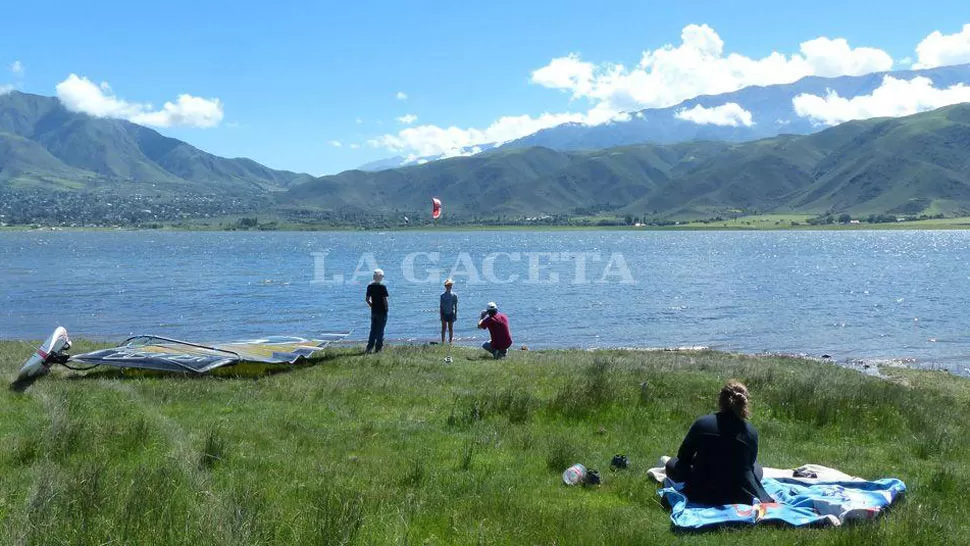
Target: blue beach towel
798,503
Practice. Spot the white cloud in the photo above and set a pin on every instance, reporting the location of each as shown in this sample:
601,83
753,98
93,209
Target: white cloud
401,95
187,111
940,49
663,77
407,119
80,94
355,146
894,98
905,61
359,121
17,68
336,143
699,66
433,140
566,73
832,58
725,115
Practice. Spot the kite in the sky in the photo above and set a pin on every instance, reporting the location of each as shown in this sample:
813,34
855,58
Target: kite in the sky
435,207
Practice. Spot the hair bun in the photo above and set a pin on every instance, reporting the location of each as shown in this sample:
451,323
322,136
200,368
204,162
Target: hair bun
734,397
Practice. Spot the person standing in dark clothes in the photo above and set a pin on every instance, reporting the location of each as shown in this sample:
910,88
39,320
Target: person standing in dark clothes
718,458
377,300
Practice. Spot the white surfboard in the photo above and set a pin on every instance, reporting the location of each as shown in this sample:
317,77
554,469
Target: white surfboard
39,362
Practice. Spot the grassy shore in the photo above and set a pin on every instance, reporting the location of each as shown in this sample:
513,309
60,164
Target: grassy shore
403,448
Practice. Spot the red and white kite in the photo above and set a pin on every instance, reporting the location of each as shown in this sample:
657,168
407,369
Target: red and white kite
435,207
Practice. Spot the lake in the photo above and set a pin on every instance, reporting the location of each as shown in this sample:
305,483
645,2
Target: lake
864,296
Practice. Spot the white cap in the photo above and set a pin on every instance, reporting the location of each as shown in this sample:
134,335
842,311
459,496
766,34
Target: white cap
378,273
491,306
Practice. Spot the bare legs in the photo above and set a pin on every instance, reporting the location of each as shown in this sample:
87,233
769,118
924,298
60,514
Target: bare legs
450,326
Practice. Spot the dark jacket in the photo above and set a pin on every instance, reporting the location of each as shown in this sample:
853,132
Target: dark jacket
719,455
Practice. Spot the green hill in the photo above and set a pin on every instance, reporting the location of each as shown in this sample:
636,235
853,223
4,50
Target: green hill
911,165
509,182
43,144
23,161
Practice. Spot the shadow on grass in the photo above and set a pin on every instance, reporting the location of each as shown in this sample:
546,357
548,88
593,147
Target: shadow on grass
21,385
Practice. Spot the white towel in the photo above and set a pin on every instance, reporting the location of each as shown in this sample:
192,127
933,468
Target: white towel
822,473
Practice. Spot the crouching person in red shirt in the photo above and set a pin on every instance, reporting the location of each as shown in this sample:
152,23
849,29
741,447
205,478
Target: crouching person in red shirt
498,329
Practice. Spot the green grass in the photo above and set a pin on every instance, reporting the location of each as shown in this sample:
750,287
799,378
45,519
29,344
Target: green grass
402,448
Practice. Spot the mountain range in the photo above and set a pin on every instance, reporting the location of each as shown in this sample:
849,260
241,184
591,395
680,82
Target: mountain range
43,145
771,109
912,165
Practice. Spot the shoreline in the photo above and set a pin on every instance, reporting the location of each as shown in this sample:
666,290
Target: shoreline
744,223
867,366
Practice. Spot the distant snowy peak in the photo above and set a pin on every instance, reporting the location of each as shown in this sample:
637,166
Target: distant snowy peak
806,106
408,161
383,164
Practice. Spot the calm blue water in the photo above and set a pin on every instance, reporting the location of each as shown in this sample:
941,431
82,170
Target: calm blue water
900,295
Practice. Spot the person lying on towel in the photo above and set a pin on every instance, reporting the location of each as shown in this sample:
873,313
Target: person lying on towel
717,461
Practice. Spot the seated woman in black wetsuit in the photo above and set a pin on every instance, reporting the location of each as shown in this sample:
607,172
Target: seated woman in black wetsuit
717,460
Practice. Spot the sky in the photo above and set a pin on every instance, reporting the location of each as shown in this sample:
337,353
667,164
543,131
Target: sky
321,87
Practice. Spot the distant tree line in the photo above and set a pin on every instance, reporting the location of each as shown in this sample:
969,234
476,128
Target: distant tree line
844,218
242,212
97,209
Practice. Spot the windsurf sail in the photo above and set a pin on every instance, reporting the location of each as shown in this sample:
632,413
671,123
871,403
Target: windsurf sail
172,355
435,207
